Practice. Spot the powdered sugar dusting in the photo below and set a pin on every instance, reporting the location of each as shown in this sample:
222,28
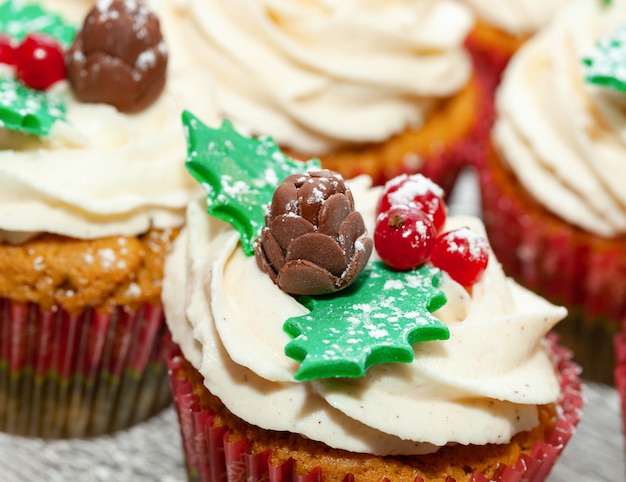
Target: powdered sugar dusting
476,244
381,319
408,188
107,258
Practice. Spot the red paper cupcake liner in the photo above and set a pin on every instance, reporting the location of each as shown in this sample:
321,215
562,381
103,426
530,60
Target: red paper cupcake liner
211,457
445,167
488,68
490,63
583,272
78,375
619,341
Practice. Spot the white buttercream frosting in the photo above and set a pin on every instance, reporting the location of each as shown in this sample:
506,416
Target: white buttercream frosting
563,137
517,17
480,386
317,75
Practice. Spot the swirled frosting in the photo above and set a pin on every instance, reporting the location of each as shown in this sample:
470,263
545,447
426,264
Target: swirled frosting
562,137
482,385
103,172
318,75
517,17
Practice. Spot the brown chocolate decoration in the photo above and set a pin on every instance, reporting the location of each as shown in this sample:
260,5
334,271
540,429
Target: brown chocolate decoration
119,57
313,242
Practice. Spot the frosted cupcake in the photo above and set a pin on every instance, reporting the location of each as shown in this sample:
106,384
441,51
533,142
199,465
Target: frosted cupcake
553,195
368,88
93,190
270,385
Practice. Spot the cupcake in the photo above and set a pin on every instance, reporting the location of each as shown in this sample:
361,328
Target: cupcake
93,191
284,347
552,186
375,89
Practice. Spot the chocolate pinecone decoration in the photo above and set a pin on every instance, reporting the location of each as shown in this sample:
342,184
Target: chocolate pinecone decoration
314,242
119,56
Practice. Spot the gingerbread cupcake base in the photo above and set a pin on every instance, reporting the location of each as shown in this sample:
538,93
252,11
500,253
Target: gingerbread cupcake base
218,446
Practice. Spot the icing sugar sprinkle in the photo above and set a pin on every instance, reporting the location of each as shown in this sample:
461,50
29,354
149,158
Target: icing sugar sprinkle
107,257
476,243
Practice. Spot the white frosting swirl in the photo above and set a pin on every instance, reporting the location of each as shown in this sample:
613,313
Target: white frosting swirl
517,17
317,75
480,386
562,137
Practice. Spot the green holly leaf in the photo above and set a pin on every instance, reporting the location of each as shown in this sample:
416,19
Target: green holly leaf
240,174
18,19
28,110
375,320
606,65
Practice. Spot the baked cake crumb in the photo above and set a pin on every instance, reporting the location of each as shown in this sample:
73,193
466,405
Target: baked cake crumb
57,271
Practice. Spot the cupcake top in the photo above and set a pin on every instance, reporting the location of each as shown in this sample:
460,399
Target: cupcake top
108,166
320,75
516,17
561,135
479,380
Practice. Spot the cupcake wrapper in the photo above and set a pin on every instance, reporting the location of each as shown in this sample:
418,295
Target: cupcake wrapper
212,457
619,341
445,167
77,375
488,62
585,273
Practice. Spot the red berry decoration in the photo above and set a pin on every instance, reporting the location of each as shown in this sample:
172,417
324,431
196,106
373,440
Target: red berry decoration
40,61
463,254
417,191
7,51
404,237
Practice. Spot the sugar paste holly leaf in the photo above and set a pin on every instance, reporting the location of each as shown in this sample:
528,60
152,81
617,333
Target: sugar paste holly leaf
240,174
17,19
606,65
28,110
376,320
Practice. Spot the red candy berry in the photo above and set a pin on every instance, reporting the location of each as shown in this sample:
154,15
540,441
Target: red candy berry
404,237
7,51
40,61
415,191
462,253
